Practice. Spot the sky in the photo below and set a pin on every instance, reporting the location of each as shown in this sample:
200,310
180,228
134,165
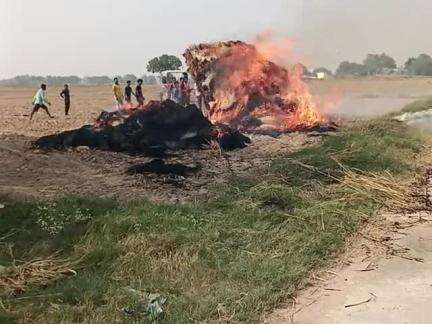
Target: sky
107,37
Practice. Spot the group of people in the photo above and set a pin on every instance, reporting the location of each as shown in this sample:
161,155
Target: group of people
178,91
124,101
40,100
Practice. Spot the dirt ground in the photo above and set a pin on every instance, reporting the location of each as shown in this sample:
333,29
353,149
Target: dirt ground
383,277
29,173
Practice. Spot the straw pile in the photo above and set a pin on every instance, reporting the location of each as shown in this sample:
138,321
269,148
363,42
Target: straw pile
16,279
381,187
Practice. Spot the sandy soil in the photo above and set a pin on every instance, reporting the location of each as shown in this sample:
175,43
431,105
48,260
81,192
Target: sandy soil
384,277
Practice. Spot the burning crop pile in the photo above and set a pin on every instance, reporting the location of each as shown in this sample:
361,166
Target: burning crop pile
240,91
242,88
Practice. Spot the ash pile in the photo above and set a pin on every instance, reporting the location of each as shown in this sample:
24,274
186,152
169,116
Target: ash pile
160,126
241,87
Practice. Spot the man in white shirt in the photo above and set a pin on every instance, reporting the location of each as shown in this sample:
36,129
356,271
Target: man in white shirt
39,101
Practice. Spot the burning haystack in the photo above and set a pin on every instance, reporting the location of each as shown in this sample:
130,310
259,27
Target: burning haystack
240,87
160,126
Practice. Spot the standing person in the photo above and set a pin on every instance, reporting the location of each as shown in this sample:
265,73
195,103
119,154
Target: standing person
176,92
139,94
185,91
118,94
40,100
167,88
65,94
128,94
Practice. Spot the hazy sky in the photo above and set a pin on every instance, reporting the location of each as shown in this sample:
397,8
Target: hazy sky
95,37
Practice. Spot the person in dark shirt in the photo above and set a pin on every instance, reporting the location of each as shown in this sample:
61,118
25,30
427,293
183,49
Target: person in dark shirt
128,94
65,94
139,94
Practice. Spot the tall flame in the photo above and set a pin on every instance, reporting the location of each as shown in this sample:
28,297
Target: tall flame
247,90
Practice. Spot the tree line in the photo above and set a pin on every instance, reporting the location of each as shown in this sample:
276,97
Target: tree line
34,81
156,65
373,64
376,64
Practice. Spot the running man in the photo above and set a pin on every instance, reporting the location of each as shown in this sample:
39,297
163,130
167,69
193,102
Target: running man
65,94
40,101
139,94
118,94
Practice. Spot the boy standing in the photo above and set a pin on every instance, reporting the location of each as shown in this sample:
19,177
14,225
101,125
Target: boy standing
128,94
65,94
139,94
118,94
39,101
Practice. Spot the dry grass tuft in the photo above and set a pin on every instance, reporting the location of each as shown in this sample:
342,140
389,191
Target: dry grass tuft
382,187
15,280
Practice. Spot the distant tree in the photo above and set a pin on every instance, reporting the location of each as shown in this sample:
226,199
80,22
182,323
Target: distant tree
421,65
97,80
164,63
322,70
351,69
303,69
130,77
409,63
34,81
149,79
378,63
61,80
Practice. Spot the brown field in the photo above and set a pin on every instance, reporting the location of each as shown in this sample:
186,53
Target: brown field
87,103
30,173
349,97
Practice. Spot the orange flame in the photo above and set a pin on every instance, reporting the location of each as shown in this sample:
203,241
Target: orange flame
246,87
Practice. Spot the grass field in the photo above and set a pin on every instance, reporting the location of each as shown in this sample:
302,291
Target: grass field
227,258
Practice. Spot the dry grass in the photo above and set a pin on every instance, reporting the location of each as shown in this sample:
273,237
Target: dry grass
383,188
16,279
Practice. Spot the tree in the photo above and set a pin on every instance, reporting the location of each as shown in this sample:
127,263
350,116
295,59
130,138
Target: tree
351,69
421,65
164,63
130,77
299,67
149,79
378,63
322,70
97,80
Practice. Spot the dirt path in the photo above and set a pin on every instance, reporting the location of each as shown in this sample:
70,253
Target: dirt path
385,278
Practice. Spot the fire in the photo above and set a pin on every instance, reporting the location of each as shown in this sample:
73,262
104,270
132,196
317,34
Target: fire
243,88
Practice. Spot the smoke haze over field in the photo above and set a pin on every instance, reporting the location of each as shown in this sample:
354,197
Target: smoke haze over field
96,37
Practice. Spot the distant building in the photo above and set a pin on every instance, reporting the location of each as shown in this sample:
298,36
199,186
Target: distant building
321,75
